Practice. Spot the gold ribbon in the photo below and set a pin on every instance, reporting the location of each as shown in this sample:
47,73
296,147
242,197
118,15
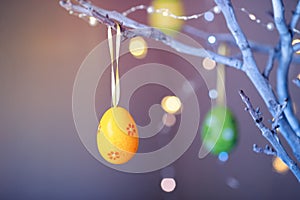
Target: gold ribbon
115,80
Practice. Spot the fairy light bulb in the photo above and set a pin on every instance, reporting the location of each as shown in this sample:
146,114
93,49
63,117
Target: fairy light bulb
138,47
270,26
93,21
252,17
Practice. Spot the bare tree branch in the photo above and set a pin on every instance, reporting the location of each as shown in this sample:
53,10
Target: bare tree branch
271,136
251,69
286,54
131,28
287,122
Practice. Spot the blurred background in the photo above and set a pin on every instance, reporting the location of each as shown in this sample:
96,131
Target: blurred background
42,157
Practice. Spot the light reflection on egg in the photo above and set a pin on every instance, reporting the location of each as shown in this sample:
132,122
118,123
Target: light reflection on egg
117,136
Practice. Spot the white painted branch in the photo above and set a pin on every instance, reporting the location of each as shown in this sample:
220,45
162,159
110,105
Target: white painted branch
251,69
271,136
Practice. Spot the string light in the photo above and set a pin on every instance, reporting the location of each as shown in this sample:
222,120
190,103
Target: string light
208,15
93,21
270,25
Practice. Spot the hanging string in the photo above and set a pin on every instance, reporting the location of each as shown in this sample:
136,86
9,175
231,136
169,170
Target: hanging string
115,80
222,50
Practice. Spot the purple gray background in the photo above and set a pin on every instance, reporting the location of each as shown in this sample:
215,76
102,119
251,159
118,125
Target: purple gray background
42,157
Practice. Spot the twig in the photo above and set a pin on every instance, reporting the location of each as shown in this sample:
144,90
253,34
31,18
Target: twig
131,28
295,18
269,65
271,136
251,69
267,150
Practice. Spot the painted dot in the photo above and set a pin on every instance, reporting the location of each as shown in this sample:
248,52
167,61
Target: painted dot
252,17
227,134
209,16
138,47
209,64
223,156
168,184
279,166
213,94
270,26
217,9
168,119
211,39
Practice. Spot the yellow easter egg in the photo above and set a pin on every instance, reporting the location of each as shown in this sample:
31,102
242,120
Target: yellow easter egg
117,136
167,24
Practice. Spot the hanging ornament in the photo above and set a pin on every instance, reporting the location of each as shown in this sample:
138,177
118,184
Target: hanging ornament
162,20
117,135
219,130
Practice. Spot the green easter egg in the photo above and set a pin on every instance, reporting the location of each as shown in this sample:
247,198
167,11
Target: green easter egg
219,130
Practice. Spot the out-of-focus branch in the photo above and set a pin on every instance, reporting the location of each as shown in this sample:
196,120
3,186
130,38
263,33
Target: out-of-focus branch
297,82
271,136
295,17
131,28
286,55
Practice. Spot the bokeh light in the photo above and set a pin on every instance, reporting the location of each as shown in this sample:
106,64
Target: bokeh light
270,26
233,183
212,39
213,93
279,166
168,184
223,156
209,16
208,64
138,47
168,119
171,104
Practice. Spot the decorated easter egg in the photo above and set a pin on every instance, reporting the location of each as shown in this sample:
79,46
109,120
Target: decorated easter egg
219,130
163,22
117,136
